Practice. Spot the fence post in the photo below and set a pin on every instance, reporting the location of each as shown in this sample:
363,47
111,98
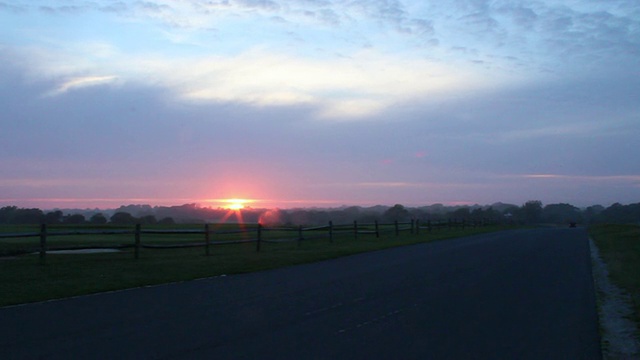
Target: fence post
330,231
377,232
299,235
412,225
259,237
136,252
429,225
207,240
43,243
417,226
355,229
395,223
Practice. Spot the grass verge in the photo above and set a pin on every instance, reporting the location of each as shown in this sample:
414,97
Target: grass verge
23,279
619,247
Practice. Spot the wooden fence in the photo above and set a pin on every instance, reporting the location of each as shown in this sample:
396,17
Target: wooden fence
256,232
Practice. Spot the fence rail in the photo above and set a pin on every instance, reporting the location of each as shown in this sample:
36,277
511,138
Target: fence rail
256,233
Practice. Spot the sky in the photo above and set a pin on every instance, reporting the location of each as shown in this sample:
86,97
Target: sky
319,103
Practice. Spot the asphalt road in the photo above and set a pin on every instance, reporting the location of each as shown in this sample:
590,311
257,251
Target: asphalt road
521,294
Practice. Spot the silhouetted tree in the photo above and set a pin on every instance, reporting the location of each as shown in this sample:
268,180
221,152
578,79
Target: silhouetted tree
297,217
53,217
618,213
532,211
462,213
512,210
396,213
148,220
561,213
123,218
15,215
166,221
98,219
74,219
6,214
592,213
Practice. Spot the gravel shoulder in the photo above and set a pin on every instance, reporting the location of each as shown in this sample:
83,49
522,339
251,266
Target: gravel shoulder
619,333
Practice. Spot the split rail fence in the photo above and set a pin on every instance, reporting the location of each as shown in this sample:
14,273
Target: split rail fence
250,233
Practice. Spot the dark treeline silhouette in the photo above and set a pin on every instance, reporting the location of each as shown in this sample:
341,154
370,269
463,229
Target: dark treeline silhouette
531,212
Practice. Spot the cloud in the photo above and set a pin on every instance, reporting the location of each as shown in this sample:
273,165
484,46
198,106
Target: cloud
152,6
519,15
12,8
65,9
390,185
582,178
572,36
260,4
82,82
366,83
568,130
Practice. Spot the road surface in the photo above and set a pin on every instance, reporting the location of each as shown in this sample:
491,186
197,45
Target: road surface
518,294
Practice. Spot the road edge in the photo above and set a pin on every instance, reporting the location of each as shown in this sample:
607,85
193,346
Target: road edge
618,333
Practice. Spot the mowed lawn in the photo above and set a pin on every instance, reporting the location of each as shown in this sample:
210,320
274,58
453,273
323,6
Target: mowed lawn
24,279
619,247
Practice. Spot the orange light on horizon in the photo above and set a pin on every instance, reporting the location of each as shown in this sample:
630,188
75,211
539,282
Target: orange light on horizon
236,204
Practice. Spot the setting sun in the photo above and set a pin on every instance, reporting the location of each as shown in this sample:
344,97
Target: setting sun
235,204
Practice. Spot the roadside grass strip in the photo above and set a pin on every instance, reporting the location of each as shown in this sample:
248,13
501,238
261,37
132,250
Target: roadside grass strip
616,267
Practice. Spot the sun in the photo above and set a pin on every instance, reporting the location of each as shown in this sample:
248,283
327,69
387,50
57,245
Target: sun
235,204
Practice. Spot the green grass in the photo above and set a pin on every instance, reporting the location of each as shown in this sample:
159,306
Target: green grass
619,247
23,279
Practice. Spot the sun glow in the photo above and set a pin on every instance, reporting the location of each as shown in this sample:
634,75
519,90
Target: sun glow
235,204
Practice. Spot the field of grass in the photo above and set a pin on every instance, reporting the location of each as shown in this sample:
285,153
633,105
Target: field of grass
619,247
23,279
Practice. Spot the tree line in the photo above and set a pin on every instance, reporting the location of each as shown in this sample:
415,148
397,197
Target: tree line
24,216
531,212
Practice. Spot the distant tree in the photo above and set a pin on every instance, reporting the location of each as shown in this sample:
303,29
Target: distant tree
492,215
123,218
612,214
15,215
148,220
136,210
74,219
513,210
318,217
7,213
618,213
297,217
396,213
592,213
98,219
477,214
561,213
53,217
350,213
417,213
462,213
532,211
369,216
166,221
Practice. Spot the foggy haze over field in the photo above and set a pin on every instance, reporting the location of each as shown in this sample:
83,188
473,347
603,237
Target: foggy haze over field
319,103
